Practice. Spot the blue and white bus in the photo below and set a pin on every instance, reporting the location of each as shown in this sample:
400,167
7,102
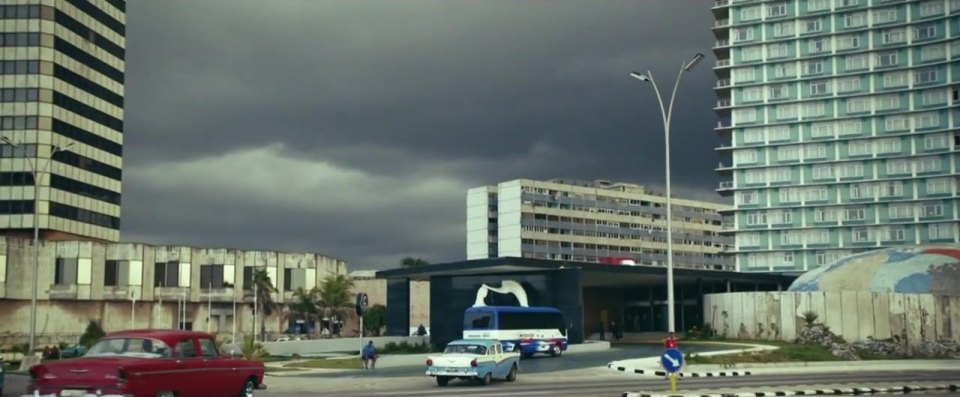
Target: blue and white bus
529,330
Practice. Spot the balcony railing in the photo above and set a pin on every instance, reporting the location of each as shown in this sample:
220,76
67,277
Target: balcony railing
723,83
721,124
723,103
721,22
723,62
722,43
726,185
721,3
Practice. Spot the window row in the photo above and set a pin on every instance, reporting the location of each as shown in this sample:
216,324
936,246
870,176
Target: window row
832,172
850,106
855,63
862,147
934,231
895,212
19,67
817,24
849,85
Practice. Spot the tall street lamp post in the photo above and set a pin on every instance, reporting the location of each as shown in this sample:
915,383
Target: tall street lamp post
36,228
666,113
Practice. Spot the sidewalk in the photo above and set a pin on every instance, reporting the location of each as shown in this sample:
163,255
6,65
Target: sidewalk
826,389
405,360
650,366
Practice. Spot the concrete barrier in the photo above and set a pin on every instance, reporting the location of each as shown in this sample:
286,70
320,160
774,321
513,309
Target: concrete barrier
339,345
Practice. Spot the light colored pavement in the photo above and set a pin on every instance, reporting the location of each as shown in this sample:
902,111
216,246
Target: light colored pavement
597,382
601,384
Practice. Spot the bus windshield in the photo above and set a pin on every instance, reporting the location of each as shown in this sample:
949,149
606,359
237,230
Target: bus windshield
478,320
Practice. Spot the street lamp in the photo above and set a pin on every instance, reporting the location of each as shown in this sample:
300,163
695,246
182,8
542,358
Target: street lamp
666,113
36,228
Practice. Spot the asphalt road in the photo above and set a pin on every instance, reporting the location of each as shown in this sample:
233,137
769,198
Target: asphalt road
539,363
542,384
607,386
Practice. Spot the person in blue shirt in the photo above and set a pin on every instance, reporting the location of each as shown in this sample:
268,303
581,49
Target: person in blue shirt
369,356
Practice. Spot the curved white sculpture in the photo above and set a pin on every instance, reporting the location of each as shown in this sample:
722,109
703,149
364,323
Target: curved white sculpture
506,287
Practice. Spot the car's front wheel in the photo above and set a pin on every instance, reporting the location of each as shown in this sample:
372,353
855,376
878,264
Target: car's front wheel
443,380
486,379
248,387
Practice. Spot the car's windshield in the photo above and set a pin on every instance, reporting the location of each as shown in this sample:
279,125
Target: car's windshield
466,349
132,347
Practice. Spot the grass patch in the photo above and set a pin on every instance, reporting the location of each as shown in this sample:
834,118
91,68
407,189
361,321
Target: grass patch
788,352
343,363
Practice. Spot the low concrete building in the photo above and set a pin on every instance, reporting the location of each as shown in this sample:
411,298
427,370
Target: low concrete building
130,285
376,289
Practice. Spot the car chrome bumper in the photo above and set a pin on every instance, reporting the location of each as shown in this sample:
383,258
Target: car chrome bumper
449,373
37,394
57,394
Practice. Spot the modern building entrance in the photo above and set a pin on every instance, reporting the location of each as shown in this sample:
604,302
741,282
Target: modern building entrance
589,294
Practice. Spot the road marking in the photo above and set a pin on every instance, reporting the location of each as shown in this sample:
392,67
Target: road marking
472,393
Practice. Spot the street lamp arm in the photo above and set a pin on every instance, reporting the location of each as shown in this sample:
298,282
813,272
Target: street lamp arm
656,90
673,95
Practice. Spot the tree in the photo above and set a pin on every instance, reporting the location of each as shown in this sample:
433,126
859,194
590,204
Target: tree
374,318
304,306
264,288
413,262
92,334
334,297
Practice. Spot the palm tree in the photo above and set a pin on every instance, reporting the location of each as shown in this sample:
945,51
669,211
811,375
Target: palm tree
263,285
304,305
413,262
334,297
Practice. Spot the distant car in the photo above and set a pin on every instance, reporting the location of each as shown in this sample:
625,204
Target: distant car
73,351
479,360
155,363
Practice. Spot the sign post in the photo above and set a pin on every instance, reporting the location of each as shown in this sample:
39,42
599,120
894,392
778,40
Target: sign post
362,301
672,362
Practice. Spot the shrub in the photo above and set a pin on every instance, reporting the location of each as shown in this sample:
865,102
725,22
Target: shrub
92,334
405,347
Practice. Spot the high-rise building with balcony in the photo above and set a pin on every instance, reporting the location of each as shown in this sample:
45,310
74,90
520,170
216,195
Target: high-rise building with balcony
597,221
841,125
61,117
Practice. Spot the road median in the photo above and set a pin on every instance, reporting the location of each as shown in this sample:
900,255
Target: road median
808,390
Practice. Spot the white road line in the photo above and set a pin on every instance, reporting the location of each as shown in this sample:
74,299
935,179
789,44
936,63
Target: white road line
472,393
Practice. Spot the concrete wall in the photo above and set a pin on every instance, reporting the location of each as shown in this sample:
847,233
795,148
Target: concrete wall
65,321
64,309
340,345
376,290
850,314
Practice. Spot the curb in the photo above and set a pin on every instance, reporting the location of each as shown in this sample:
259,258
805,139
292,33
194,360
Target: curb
813,392
651,372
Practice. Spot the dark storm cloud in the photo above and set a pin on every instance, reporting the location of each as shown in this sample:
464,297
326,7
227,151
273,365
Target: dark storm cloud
372,98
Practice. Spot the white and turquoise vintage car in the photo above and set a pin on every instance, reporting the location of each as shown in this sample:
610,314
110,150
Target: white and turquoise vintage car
479,360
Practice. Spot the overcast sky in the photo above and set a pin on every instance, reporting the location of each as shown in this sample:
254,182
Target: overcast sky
354,128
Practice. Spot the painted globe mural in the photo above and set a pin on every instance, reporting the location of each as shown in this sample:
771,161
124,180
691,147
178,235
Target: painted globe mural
909,270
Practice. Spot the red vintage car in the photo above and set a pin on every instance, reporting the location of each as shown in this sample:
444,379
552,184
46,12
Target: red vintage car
149,363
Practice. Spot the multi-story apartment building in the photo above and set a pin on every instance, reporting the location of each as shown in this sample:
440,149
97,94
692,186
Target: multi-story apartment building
590,221
840,119
128,285
61,113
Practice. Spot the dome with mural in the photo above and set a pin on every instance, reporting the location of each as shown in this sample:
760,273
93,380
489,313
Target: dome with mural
909,269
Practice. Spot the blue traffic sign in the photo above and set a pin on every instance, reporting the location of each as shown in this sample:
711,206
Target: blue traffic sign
671,360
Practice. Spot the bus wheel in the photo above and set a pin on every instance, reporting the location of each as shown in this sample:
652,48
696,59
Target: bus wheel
556,352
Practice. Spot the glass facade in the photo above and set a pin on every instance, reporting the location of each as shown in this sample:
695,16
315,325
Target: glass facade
840,126
62,87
